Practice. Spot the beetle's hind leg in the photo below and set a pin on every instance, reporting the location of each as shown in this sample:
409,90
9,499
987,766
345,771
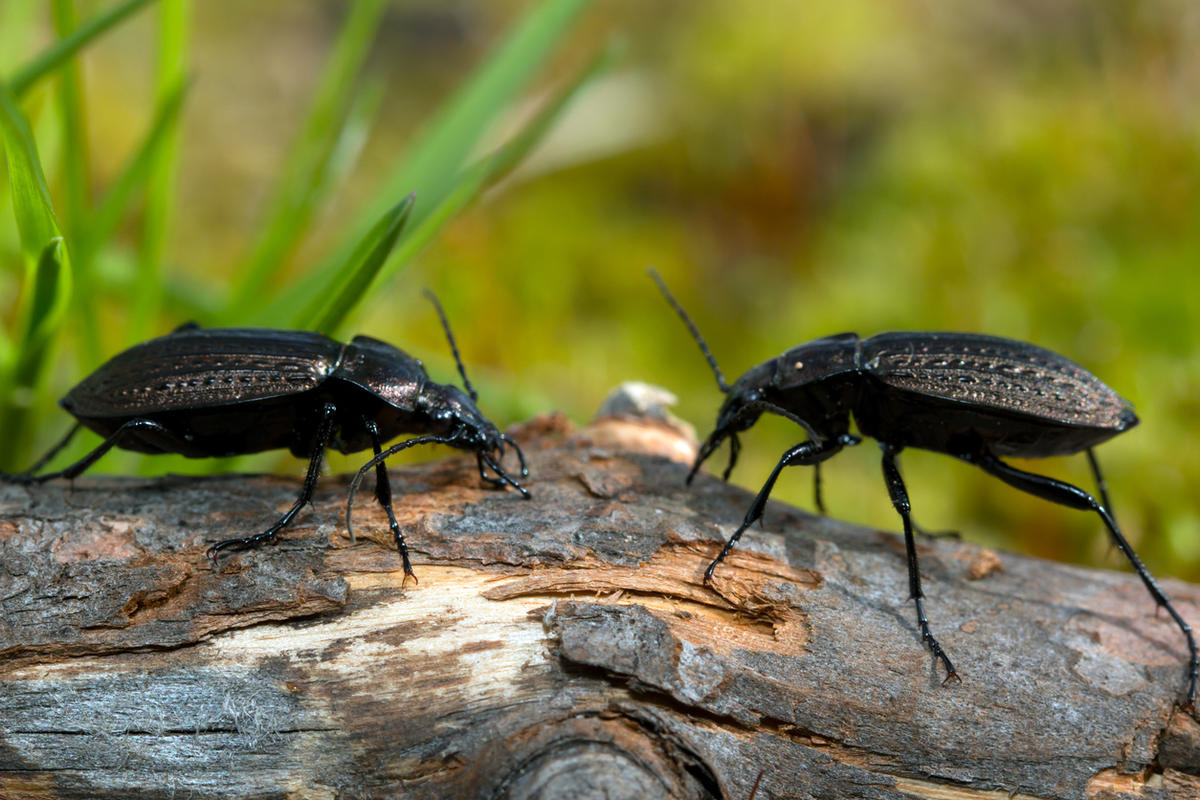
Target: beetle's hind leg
1101,484
899,495
28,476
170,441
1065,494
320,442
920,531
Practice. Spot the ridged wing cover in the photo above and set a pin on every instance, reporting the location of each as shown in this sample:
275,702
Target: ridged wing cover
997,373
199,368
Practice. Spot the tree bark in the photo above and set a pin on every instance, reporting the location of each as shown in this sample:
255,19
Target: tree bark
561,647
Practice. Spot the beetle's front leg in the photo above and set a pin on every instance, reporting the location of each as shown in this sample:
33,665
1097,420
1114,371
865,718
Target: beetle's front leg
483,476
809,453
320,442
735,448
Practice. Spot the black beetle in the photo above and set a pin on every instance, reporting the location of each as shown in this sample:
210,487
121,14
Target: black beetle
215,392
973,397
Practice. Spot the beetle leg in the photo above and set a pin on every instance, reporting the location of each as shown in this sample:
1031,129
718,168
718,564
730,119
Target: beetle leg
763,405
1101,484
818,500
707,449
1065,494
919,531
504,475
735,447
810,452
848,440
44,460
74,470
520,456
483,476
899,495
383,493
378,459
320,442
1101,487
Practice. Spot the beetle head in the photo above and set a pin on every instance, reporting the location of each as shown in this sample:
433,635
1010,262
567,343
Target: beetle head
476,432
455,414
811,385
744,404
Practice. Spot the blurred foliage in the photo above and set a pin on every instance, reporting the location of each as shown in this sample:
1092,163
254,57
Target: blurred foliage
794,169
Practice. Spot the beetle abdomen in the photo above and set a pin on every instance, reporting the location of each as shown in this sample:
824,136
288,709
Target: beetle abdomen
995,373
204,368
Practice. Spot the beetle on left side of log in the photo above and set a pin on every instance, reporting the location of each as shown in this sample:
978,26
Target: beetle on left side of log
216,392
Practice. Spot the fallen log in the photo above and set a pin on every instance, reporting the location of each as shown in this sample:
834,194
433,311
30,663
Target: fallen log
561,647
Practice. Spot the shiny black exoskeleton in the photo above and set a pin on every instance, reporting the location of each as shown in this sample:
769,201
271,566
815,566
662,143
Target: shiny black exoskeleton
214,392
973,397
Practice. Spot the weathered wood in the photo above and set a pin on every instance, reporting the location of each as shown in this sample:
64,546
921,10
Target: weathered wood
562,647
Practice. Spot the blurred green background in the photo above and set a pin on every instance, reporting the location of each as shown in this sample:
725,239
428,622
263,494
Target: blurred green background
793,169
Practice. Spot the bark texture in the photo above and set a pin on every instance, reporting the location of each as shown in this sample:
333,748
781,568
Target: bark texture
561,647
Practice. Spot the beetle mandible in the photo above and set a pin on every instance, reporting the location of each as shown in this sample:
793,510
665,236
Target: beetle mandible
971,396
215,392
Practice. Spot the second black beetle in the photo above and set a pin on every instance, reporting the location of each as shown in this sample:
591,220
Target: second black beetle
210,393
973,397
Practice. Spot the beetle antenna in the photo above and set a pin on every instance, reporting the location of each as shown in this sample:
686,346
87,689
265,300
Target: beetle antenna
379,459
453,347
683,315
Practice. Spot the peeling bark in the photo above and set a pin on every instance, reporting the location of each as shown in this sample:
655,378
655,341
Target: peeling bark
559,647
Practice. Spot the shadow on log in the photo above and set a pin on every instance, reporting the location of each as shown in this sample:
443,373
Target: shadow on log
562,647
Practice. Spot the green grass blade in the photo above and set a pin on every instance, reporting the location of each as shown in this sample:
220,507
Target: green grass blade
77,191
7,353
298,194
433,166
47,279
51,289
114,205
72,119
17,28
360,270
478,177
107,216
35,215
56,54
172,66
352,138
